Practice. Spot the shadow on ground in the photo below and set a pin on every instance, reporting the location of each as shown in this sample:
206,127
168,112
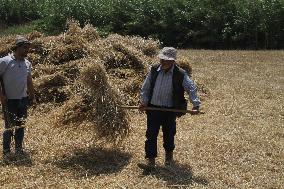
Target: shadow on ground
176,175
18,160
95,161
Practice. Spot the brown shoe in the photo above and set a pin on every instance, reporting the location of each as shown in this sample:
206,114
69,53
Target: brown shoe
149,165
169,158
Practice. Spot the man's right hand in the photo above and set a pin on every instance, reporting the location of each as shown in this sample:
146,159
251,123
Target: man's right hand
3,99
31,99
142,108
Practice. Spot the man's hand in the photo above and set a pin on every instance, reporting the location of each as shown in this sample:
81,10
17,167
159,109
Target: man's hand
3,99
31,99
195,110
142,108
31,91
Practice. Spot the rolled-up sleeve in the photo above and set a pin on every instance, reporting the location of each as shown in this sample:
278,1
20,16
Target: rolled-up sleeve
191,89
29,68
3,66
145,90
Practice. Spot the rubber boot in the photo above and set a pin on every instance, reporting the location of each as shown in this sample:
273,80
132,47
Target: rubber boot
169,158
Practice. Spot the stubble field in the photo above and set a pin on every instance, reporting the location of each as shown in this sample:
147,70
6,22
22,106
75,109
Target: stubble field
237,143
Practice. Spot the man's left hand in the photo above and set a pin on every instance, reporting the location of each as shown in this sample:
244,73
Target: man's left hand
195,110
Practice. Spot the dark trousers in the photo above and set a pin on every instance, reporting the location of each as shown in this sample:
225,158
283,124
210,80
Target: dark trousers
156,119
15,113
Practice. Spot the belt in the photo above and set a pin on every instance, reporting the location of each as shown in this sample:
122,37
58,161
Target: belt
151,105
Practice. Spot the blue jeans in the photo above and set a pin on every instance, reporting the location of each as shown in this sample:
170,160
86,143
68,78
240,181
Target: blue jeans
15,113
156,119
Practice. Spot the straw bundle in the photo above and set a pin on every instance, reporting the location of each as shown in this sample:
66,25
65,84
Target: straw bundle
134,86
110,57
35,58
132,90
7,43
134,58
126,52
40,46
147,47
54,83
97,102
111,120
71,45
40,70
50,88
67,48
34,35
73,112
184,64
71,70
87,34
90,33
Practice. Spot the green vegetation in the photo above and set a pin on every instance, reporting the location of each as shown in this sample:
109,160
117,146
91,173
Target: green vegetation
20,29
250,24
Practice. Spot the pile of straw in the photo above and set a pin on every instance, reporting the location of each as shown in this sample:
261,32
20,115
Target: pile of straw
69,71
87,77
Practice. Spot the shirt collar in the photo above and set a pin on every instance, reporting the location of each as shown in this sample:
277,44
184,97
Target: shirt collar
170,71
12,56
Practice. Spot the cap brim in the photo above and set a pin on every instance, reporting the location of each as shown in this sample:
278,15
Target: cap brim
162,56
23,43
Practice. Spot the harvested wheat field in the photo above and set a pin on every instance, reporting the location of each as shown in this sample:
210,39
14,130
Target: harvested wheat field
78,137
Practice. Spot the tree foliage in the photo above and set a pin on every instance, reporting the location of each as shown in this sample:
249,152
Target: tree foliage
230,24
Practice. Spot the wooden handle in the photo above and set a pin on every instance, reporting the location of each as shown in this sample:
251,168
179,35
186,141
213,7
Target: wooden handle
162,109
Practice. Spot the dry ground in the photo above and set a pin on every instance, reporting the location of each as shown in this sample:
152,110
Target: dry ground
238,143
